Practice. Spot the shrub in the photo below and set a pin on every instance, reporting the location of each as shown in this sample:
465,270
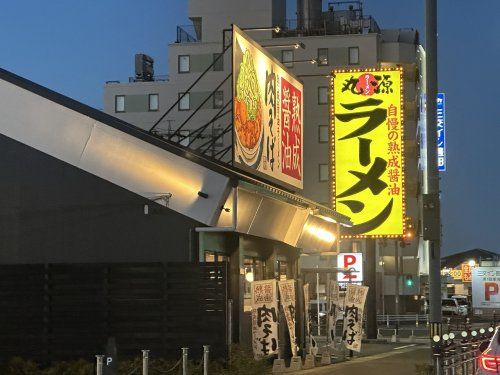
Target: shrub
424,369
20,366
80,367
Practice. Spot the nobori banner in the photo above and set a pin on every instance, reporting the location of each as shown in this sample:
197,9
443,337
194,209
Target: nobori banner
486,287
368,151
267,114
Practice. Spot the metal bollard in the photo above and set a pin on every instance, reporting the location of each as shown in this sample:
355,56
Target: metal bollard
446,362
464,359
387,320
453,353
437,364
99,364
206,351
145,362
185,361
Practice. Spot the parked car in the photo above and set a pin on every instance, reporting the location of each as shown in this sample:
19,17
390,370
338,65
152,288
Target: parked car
313,311
489,359
450,306
463,302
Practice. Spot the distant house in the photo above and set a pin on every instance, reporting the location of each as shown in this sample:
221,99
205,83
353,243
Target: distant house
480,257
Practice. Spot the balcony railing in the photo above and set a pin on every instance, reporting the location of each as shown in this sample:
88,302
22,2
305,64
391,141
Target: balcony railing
328,25
186,34
158,78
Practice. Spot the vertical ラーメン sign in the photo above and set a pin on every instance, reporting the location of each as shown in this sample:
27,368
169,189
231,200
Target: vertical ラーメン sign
267,114
264,318
367,177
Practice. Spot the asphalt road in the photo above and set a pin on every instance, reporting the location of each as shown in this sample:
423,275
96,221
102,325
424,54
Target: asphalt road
380,359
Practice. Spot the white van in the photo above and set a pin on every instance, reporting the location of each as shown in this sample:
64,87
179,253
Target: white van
463,303
450,306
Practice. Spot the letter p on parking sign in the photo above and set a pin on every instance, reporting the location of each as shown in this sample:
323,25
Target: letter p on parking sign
490,289
352,263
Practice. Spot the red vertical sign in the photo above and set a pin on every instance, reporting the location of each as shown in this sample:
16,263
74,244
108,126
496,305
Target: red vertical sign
291,128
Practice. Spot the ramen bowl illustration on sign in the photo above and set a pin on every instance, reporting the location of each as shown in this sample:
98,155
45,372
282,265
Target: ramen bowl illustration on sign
248,112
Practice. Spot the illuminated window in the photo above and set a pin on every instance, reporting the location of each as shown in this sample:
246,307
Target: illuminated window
282,269
323,95
323,172
184,63
219,64
353,55
322,56
287,58
153,101
218,98
254,271
323,134
120,103
184,104
209,256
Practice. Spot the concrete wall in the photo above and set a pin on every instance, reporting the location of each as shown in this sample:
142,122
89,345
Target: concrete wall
220,14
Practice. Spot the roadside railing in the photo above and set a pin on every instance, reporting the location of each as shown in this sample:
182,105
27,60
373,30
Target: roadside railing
457,353
415,319
102,361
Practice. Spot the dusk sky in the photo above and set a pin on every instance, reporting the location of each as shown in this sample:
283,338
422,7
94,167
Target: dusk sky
74,47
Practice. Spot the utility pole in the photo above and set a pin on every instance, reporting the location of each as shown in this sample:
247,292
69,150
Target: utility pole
371,280
397,272
431,206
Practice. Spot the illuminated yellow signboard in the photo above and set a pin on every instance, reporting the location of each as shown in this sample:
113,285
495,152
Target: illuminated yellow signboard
368,150
267,114
456,274
466,272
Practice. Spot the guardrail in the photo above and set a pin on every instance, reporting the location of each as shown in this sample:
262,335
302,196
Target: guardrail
397,319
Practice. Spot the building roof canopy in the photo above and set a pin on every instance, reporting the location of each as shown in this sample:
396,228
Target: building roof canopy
163,172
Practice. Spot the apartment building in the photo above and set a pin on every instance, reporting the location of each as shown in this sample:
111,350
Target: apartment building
319,39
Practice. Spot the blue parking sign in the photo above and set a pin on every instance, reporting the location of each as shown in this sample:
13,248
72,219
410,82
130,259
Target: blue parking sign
441,140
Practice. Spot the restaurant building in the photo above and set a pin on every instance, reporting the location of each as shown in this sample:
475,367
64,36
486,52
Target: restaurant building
316,42
106,229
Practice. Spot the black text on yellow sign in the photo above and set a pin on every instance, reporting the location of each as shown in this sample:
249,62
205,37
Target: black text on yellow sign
368,150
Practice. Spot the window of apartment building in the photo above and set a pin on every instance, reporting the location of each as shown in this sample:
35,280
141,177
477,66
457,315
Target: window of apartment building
219,139
322,56
287,58
119,103
353,55
184,63
184,102
323,95
323,172
323,134
218,99
153,102
219,64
